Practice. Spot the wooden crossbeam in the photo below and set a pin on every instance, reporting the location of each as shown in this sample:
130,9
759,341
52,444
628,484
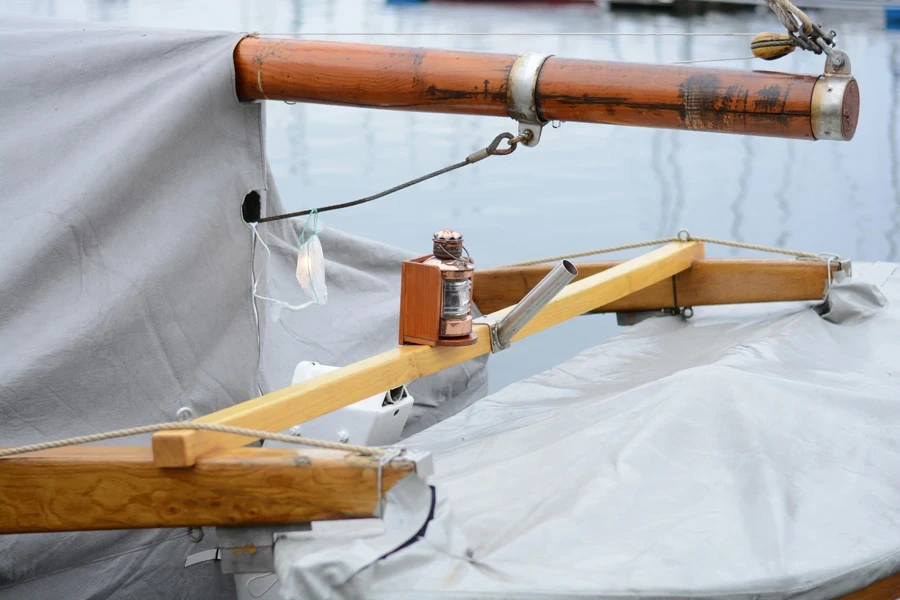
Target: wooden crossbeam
708,282
91,487
298,403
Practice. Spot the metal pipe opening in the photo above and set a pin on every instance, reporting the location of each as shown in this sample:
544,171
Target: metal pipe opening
547,289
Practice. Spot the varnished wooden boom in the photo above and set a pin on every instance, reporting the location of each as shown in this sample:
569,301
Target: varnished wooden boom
414,79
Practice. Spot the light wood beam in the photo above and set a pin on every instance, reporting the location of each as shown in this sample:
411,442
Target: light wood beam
298,403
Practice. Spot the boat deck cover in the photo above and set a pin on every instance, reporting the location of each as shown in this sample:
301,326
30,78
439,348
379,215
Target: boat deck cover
750,452
125,158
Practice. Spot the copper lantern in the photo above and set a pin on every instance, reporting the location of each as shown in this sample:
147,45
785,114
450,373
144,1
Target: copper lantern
436,295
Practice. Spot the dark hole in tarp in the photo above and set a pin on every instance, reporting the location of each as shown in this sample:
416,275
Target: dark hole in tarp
251,209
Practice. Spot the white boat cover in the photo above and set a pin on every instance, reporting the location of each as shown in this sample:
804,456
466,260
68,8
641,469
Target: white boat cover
125,158
749,453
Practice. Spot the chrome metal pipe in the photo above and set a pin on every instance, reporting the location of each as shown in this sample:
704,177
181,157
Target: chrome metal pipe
546,289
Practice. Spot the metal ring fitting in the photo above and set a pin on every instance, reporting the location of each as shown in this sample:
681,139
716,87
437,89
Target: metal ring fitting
521,95
683,235
835,102
184,414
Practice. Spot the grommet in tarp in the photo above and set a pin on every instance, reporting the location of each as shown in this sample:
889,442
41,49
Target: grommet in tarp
195,534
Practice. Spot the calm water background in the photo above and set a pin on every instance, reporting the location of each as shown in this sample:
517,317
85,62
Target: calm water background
584,186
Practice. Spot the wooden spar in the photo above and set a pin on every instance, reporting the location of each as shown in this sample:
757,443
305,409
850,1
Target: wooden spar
287,407
662,96
92,487
708,282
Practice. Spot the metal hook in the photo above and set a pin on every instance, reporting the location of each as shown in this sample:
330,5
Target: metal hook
493,147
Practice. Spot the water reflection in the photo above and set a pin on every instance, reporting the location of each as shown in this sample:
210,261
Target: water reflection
743,192
781,196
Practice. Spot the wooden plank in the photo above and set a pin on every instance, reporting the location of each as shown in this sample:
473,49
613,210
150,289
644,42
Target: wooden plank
284,408
708,282
92,487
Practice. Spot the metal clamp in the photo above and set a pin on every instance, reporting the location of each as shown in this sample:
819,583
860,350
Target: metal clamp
838,63
503,331
492,327
521,96
843,272
834,94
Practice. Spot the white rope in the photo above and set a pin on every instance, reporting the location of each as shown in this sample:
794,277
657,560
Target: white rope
683,238
175,426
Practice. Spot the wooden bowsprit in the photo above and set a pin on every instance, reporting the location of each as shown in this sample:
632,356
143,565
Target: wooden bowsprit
536,89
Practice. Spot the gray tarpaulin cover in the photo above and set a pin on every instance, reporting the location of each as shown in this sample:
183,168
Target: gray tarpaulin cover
125,275
751,452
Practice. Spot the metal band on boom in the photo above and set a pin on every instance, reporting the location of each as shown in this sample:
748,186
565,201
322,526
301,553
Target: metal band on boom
522,95
835,100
